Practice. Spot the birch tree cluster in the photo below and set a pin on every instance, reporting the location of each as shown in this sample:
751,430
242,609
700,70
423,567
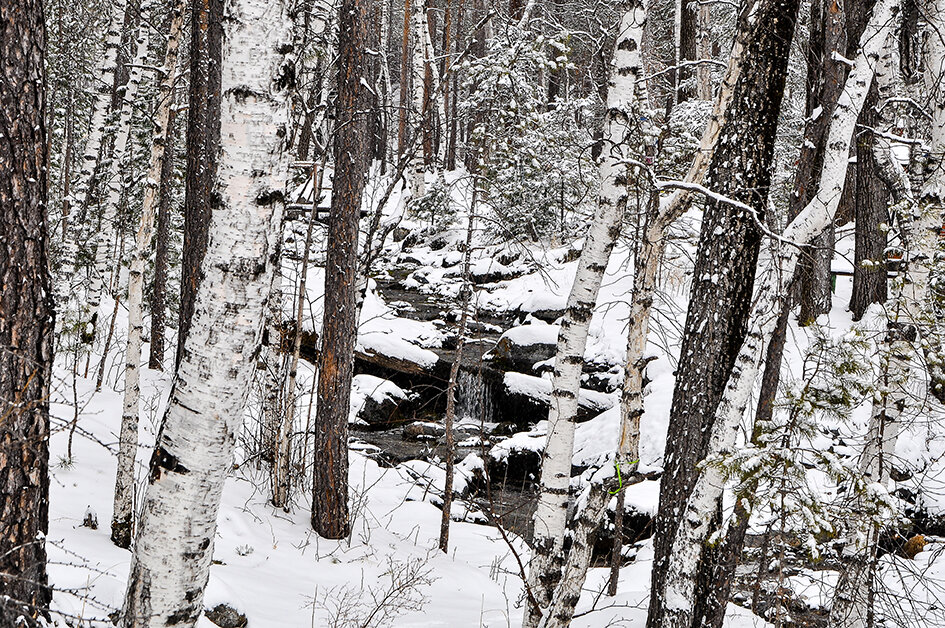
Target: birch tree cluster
214,202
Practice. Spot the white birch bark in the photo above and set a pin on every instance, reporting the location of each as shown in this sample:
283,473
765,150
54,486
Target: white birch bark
194,452
122,514
619,137
417,70
105,75
909,313
103,94
115,180
692,534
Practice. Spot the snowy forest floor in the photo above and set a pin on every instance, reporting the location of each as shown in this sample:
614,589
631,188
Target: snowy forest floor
271,566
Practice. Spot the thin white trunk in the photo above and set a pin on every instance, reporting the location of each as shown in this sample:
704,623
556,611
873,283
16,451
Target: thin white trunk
418,66
122,517
620,135
281,483
908,311
104,235
194,451
704,52
105,76
692,534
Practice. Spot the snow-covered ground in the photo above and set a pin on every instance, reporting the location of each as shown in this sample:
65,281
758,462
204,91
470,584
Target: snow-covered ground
271,566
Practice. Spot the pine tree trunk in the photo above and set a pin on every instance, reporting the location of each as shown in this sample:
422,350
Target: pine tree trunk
724,275
678,596
195,446
203,141
123,512
405,73
870,201
619,137
687,21
26,315
339,332
825,76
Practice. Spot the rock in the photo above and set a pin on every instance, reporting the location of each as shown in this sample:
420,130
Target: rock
225,616
520,348
518,469
378,403
423,430
399,234
525,399
90,520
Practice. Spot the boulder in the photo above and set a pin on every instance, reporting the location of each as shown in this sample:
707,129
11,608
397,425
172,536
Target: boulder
520,348
225,616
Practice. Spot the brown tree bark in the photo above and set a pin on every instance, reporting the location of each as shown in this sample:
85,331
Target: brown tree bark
26,314
339,331
203,142
688,23
723,278
870,202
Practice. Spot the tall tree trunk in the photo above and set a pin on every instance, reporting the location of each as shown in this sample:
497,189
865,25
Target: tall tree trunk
203,141
870,201
678,594
908,313
104,88
825,75
161,245
620,136
723,278
339,331
194,451
123,511
103,251
26,315
405,73
419,98
687,36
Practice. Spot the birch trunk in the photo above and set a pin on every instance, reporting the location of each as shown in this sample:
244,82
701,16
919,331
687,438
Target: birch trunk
100,107
194,451
281,479
677,597
417,74
115,179
123,512
908,313
620,136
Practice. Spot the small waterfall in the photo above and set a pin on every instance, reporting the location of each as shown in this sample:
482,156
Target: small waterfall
473,397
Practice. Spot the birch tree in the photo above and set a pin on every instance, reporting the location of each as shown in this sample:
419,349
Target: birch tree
677,595
104,254
195,446
122,514
26,314
93,145
620,139
908,314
